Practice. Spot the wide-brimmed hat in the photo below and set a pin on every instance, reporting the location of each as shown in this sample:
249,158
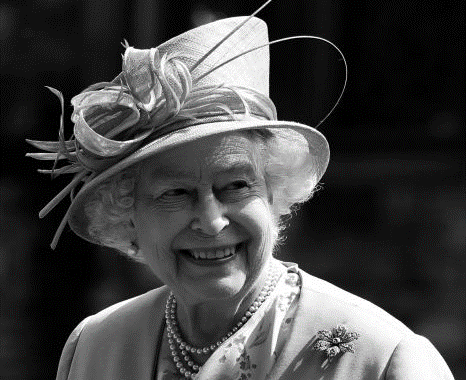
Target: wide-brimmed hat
213,79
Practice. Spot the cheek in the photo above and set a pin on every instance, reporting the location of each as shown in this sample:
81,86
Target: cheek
258,220
159,224
259,212
156,233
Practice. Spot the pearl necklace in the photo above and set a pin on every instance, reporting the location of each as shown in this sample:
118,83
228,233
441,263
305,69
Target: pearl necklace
181,350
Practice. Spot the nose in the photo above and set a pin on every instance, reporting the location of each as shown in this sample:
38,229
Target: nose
210,217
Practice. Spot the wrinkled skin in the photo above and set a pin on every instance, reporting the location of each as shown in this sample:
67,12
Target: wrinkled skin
206,194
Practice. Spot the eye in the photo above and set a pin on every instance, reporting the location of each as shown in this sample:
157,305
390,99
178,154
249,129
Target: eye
174,193
236,185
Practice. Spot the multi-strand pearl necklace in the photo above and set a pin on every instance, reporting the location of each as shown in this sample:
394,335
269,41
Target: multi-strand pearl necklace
181,351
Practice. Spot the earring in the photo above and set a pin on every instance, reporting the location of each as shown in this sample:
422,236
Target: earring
133,249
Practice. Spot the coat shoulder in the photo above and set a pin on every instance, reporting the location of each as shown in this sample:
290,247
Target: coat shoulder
384,349
337,305
122,333
326,306
130,309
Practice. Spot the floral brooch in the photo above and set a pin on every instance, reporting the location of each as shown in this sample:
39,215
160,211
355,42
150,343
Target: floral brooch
335,341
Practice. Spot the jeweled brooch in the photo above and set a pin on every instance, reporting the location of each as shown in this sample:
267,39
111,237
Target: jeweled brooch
335,341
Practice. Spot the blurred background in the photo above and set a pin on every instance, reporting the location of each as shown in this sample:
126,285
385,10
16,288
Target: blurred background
389,224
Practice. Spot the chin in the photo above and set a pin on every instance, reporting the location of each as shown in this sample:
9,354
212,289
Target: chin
229,287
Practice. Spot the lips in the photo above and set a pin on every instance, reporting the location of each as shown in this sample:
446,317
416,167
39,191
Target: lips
212,254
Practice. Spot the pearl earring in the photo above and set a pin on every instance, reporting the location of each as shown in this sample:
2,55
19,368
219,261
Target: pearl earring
133,249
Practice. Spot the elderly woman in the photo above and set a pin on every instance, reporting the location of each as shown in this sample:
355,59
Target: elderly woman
184,166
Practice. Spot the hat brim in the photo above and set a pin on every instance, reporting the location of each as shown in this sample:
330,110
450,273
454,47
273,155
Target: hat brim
318,147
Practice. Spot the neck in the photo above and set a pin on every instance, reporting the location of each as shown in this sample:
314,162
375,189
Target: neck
208,321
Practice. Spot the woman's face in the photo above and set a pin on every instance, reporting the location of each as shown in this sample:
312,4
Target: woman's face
203,218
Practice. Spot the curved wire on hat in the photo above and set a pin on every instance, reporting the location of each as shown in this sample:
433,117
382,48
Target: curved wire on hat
145,101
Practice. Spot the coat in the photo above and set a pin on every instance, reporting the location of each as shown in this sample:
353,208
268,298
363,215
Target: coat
121,342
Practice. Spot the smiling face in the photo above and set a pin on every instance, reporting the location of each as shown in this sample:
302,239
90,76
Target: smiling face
203,218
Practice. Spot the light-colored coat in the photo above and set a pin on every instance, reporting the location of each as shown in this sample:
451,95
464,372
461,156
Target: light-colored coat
120,342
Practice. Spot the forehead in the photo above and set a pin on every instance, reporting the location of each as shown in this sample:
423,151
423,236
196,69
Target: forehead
204,158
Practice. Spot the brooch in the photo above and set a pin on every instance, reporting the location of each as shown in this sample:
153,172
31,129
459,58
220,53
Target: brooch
335,341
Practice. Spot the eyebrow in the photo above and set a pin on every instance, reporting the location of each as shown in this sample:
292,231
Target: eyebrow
239,167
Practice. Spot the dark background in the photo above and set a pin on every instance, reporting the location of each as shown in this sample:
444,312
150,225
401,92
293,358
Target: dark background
389,224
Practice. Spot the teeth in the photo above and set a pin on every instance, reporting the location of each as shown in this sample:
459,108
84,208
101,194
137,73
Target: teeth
213,254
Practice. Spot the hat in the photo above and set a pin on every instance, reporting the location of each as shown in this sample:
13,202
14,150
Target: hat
213,79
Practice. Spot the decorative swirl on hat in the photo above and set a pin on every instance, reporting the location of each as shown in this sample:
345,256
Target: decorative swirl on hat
112,119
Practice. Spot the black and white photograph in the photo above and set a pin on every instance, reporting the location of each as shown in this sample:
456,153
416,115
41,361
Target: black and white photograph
226,190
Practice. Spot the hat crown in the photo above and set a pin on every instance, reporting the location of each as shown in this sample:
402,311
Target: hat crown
250,70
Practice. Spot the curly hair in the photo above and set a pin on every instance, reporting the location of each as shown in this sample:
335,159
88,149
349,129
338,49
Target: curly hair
289,172
110,212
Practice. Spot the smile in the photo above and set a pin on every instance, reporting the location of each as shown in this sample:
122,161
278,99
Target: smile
213,254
